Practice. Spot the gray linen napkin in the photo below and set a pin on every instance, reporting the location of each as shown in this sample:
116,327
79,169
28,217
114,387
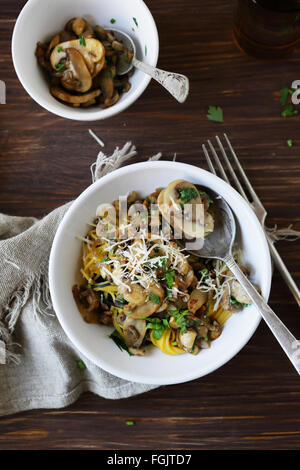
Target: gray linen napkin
38,364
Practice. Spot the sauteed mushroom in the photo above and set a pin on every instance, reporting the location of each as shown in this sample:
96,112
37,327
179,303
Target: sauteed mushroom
62,95
99,51
182,198
77,76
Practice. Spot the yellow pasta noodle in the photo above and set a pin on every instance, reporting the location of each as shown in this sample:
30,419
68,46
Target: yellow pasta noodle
165,342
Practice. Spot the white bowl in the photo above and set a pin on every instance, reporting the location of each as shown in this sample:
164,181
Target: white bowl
92,340
40,19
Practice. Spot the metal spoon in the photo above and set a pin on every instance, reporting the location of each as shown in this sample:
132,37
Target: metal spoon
218,245
175,83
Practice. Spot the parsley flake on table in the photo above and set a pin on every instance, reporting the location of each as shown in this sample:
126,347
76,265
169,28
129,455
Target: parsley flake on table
289,142
289,111
215,113
130,423
284,94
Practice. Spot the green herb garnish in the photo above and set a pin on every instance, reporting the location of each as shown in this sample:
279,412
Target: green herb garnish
233,301
135,20
59,49
146,50
60,67
82,41
130,423
284,93
289,143
289,110
181,321
169,277
158,326
215,113
187,194
119,341
104,259
153,298
81,364
112,21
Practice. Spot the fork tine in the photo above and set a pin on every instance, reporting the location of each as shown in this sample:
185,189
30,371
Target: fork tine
240,168
224,176
230,168
210,165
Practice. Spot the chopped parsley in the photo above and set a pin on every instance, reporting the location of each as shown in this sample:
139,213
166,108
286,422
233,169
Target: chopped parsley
81,365
60,67
289,143
119,341
215,113
135,20
233,301
153,298
104,259
187,194
284,94
59,49
181,321
289,110
82,41
169,277
130,423
112,21
146,50
158,326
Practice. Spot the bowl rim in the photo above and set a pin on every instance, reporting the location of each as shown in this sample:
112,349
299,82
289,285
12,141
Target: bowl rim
68,112
52,267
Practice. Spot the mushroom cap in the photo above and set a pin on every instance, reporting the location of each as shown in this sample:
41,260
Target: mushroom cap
77,76
172,205
93,52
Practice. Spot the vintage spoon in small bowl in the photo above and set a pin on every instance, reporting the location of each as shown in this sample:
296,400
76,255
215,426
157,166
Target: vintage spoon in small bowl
175,83
218,245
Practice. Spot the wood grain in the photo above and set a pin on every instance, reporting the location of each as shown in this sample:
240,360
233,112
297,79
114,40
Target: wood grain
253,401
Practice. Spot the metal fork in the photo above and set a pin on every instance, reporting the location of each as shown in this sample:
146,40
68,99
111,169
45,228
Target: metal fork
256,204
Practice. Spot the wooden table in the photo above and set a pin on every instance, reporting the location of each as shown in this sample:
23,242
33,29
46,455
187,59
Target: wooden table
252,402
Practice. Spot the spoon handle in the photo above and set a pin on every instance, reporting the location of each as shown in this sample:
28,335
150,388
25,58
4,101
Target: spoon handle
175,83
285,338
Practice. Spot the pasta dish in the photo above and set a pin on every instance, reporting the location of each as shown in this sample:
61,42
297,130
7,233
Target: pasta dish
139,279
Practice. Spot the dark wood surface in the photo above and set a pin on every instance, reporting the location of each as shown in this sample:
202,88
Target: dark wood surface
252,402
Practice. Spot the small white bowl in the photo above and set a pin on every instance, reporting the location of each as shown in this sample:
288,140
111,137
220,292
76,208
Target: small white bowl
92,340
40,20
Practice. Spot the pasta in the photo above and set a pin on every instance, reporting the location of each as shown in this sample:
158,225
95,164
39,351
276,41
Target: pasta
148,287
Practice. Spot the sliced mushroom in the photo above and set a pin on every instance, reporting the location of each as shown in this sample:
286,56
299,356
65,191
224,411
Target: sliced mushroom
186,340
172,202
40,53
196,300
54,41
238,293
142,302
92,51
77,76
106,84
63,95
78,26
100,32
133,330
215,330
